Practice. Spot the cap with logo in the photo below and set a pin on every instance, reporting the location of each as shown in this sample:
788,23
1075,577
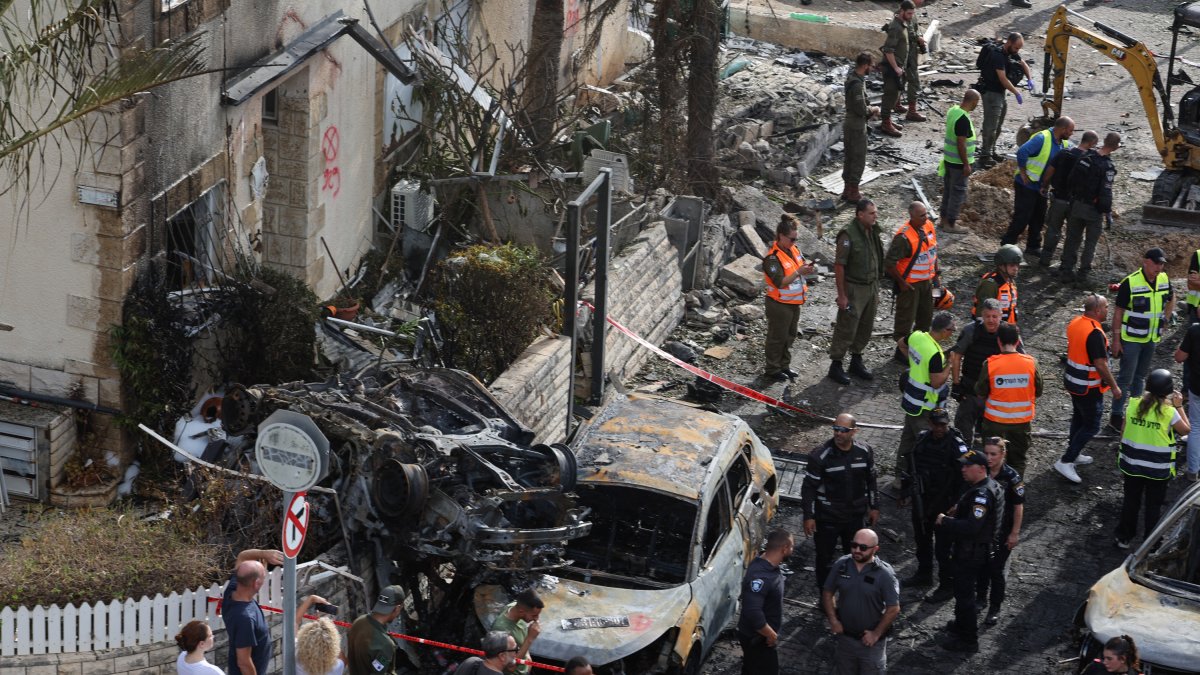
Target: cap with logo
1156,254
389,598
973,457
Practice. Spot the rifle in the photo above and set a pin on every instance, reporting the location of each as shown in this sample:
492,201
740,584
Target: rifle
917,489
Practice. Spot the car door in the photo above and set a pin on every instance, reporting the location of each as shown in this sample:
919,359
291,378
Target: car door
748,503
718,582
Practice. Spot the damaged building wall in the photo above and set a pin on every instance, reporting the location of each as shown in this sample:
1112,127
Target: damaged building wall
645,293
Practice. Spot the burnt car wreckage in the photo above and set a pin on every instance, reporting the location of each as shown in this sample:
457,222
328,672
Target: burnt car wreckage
437,485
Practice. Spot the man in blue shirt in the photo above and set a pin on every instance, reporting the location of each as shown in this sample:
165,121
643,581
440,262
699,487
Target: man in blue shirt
762,606
250,648
1029,204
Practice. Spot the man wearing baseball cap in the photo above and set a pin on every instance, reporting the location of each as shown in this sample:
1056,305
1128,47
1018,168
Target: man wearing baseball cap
1144,303
369,650
974,528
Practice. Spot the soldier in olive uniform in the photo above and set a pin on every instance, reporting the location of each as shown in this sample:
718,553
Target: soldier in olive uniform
854,128
916,44
895,60
858,267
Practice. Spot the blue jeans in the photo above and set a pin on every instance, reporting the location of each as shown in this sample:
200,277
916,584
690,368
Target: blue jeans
1136,358
1193,444
1085,423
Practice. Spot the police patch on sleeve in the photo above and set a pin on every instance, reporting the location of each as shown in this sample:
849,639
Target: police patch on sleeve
756,585
980,499
1020,490
979,511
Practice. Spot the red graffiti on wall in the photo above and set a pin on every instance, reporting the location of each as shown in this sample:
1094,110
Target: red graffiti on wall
330,143
571,22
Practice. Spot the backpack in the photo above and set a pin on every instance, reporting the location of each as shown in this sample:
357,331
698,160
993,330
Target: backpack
1087,178
1012,66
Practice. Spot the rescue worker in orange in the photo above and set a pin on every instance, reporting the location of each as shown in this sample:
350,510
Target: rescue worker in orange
1001,283
911,261
1086,378
1009,384
784,269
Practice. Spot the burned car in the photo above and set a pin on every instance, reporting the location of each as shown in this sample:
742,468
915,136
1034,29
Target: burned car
679,501
1154,597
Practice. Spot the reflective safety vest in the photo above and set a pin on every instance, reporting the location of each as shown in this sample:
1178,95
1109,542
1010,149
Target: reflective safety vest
1193,297
1006,294
1081,376
1148,445
1142,321
1035,166
950,145
918,394
926,252
796,292
1012,390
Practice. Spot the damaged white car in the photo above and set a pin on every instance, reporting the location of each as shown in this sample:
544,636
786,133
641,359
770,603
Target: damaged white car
679,500
1154,597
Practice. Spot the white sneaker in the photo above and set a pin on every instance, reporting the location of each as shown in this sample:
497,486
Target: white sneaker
1068,471
1083,460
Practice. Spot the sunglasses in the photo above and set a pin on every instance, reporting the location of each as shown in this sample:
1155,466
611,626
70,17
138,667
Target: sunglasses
861,547
842,429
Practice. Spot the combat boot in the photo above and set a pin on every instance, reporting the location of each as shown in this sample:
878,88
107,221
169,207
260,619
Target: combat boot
837,374
858,368
899,107
889,128
913,115
851,193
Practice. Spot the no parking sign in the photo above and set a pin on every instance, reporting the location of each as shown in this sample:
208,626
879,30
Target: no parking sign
295,525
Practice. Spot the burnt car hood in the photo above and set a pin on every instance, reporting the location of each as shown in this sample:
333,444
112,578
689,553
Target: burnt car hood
651,613
1165,627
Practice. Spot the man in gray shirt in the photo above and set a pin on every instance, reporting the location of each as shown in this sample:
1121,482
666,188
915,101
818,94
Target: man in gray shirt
867,602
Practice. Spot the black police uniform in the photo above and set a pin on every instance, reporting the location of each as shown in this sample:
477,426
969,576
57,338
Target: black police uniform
938,481
839,488
1014,493
762,604
974,529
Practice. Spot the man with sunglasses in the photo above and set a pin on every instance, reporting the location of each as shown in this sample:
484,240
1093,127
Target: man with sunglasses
499,656
784,270
867,602
839,494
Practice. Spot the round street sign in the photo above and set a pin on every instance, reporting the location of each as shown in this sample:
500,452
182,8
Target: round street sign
295,525
291,451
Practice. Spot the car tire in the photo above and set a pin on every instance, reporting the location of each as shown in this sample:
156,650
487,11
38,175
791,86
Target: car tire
694,661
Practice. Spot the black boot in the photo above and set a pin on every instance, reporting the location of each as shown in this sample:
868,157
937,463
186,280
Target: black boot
837,374
857,368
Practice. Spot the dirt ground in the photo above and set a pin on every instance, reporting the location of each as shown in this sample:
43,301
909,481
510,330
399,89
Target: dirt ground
1066,542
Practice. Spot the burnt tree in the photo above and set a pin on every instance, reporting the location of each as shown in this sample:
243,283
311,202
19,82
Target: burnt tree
541,82
702,98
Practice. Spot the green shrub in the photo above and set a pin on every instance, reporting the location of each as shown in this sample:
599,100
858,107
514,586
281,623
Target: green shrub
269,338
490,301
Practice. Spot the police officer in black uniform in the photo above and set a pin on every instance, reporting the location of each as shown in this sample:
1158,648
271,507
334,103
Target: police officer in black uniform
932,483
839,494
1010,527
974,525
762,606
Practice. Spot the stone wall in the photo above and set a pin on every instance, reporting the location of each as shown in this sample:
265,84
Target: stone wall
645,294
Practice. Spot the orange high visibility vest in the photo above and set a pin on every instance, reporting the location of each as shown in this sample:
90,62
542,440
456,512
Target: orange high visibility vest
1012,390
795,293
1006,294
926,263
1081,375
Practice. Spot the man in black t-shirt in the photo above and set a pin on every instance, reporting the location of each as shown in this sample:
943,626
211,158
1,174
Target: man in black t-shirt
1189,355
993,84
1054,188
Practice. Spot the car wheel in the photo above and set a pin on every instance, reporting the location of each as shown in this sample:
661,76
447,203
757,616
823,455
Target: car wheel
694,660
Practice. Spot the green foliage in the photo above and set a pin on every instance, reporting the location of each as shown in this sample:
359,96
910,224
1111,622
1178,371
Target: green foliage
490,301
268,338
85,556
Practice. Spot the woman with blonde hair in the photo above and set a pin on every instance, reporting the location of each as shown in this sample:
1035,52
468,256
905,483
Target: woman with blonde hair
318,643
194,639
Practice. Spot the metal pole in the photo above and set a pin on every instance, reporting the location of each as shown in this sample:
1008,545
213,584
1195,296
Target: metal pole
570,303
289,603
600,319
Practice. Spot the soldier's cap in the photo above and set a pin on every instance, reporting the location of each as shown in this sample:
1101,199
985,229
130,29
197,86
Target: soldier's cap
939,416
973,457
1156,254
389,598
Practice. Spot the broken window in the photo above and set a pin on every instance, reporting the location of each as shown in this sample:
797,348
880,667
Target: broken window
1174,559
635,534
718,522
738,478
193,241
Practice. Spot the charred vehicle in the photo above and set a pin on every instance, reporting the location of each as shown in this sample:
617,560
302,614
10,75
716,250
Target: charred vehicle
1154,597
679,501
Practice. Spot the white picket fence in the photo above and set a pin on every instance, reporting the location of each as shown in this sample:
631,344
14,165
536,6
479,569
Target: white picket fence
55,630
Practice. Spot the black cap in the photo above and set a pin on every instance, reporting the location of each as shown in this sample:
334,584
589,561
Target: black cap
939,416
973,457
1156,254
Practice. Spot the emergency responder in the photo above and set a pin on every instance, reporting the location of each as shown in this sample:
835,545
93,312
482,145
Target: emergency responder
1188,354
784,269
857,267
1193,285
762,606
895,59
958,155
1001,283
1086,378
976,343
1144,302
933,480
1009,385
867,602
912,82
911,261
1054,189
854,127
926,385
974,525
999,64
1147,456
1090,185
1013,486
1029,204
839,494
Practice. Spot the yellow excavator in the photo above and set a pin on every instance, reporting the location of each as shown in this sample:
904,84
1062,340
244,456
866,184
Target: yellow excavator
1176,196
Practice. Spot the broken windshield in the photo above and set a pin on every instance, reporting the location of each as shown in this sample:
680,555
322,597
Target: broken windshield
1174,559
637,535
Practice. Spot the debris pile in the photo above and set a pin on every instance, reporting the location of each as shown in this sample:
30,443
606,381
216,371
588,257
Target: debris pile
989,204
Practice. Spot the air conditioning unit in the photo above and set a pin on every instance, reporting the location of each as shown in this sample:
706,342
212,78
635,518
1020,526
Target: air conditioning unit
412,208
